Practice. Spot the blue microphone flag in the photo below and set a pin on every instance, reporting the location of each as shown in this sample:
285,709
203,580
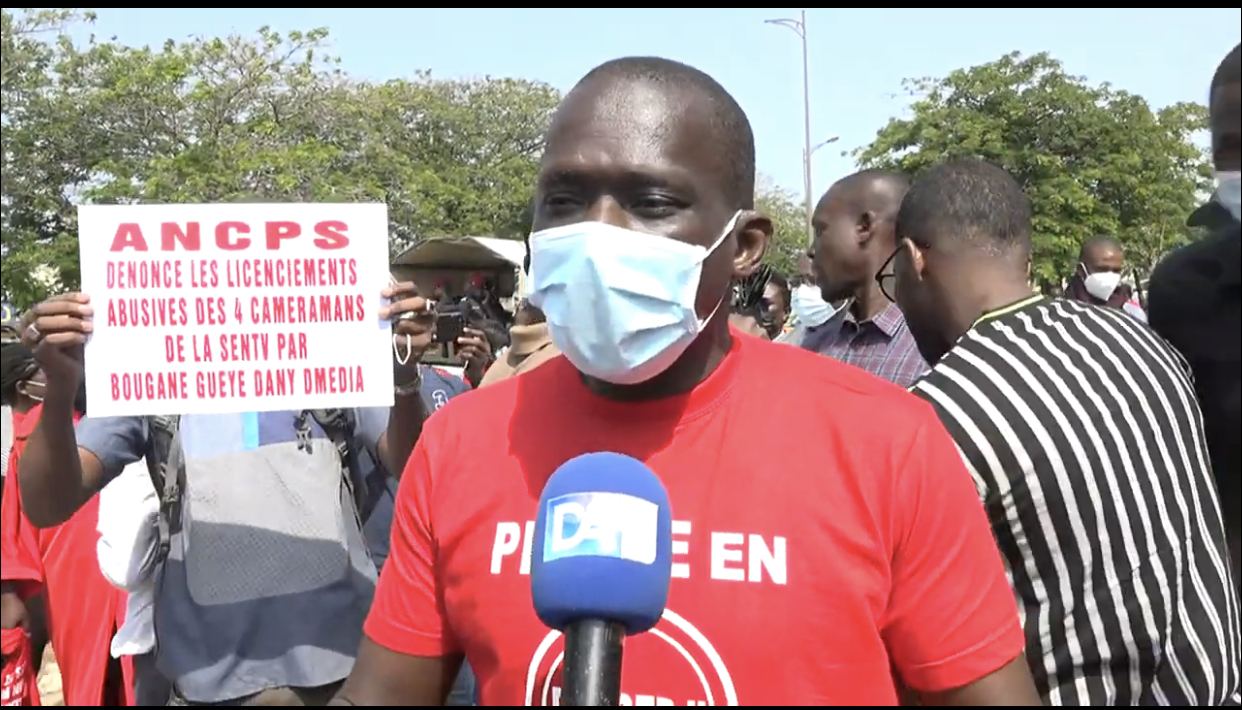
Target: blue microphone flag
603,544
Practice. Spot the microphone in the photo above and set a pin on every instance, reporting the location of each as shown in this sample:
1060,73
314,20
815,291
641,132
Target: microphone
602,566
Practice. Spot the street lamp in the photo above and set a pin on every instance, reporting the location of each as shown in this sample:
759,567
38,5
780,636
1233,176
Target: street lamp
806,171
799,26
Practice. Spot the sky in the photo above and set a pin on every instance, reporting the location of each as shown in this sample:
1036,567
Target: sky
858,56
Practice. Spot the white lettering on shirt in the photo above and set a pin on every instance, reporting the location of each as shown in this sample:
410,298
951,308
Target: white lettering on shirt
735,557
723,554
507,538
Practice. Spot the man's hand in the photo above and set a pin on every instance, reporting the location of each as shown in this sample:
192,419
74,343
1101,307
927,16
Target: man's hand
413,324
476,354
13,612
56,330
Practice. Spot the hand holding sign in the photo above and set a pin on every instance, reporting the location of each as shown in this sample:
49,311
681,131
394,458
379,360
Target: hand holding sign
207,309
56,330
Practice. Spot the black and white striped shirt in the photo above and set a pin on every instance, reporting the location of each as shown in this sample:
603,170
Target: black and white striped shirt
1081,430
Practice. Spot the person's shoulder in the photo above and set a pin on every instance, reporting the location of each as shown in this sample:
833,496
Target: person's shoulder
435,378
797,378
1205,262
491,405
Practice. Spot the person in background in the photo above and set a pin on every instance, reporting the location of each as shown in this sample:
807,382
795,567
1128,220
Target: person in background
750,311
127,554
1131,303
441,291
83,610
810,312
1081,431
8,334
853,236
438,387
776,304
18,614
530,345
1098,277
645,216
268,608
1194,301
1211,216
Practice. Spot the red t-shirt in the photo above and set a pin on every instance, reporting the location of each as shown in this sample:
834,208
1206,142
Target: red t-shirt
825,531
18,686
83,609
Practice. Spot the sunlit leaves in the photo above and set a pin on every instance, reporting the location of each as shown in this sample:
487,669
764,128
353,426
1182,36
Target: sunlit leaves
266,116
1094,160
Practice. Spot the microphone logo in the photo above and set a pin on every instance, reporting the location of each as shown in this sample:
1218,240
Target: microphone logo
601,525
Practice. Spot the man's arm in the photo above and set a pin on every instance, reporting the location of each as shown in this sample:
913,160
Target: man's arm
409,656
56,475
385,677
952,625
405,425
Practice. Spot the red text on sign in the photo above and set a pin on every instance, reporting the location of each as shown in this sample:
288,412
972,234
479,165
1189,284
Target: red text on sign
231,235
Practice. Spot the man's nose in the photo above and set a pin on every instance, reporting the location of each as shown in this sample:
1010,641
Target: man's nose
609,211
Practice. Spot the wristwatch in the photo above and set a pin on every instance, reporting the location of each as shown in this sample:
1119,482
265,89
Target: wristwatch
412,387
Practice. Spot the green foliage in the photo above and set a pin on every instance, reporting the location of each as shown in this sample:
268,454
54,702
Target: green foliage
788,216
269,116
1094,160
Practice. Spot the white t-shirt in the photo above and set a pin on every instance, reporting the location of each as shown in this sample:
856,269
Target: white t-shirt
6,438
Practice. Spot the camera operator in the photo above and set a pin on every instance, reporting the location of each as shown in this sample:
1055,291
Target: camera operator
751,309
476,335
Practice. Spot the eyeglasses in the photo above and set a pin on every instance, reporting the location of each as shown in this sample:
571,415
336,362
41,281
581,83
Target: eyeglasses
886,278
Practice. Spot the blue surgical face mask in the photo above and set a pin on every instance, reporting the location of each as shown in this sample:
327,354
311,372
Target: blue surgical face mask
620,304
809,307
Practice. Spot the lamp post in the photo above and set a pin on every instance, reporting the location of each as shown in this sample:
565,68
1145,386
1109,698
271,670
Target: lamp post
799,26
806,169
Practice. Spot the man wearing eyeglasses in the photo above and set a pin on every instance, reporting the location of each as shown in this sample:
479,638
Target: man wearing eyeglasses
854,238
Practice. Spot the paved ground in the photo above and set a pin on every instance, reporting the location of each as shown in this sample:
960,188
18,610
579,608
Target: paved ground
49,680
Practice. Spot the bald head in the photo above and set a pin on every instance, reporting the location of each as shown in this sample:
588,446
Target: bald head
855,232
671,96
876,191
1097,245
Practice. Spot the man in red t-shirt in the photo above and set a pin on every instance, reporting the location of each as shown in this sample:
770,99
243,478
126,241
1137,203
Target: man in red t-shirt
803,579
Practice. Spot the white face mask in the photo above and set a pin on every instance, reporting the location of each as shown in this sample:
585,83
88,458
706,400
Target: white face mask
1101,284
1229,191
620,304
809,307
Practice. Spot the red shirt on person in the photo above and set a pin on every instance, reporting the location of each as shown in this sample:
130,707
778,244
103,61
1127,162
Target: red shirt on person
83,609
825,531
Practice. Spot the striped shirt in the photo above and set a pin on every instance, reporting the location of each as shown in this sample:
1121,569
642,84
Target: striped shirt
1082,432
882,345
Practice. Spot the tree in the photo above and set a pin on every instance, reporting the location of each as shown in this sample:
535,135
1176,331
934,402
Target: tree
1093,159
45,155
264,117
789,222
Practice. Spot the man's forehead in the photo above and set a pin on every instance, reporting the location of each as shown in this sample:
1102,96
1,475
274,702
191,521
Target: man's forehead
1104,252
626,125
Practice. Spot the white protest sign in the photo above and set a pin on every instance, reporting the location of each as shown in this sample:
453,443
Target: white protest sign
211,309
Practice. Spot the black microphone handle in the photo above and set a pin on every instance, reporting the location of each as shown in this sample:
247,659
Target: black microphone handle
592,671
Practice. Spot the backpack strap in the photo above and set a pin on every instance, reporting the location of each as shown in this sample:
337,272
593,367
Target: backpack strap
338,425
166,465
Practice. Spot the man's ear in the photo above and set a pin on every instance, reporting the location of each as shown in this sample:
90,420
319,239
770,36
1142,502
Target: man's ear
864,227
754,234
918,260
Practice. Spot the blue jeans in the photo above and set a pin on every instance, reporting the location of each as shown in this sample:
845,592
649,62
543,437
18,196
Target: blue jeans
464,691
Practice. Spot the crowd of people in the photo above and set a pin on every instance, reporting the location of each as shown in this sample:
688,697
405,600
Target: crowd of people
902,477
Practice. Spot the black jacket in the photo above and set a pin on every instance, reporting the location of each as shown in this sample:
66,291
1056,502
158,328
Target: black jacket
1195,303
